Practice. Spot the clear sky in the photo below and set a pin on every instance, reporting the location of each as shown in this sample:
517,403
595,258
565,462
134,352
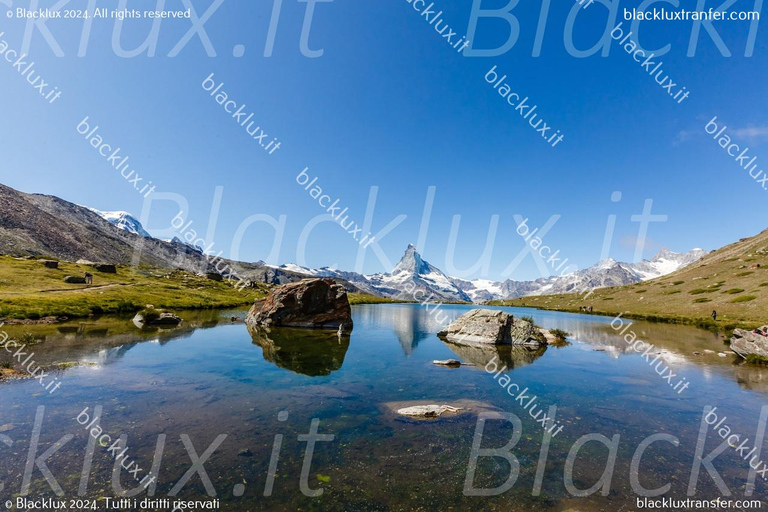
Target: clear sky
390,104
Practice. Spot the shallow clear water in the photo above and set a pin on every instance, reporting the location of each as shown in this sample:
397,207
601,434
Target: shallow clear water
220,379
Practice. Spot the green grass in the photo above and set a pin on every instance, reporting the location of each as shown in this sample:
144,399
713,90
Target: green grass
734,291
701,300
641,291
364,298
29,290
756,359
671,292
559,334
678,283
743,298
699,291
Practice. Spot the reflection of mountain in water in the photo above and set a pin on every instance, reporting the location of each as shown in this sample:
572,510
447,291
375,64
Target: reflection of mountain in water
510,356
305,351
410,323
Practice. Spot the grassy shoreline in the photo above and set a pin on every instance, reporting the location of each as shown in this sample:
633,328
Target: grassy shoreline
29,290
702,322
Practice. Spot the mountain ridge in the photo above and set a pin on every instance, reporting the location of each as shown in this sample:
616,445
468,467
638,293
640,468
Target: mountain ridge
44,225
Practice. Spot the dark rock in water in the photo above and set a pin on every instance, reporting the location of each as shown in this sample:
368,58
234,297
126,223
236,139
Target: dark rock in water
106,268
494,327
155,318
310,303
312,352
746,343
51,264
214,276
74,279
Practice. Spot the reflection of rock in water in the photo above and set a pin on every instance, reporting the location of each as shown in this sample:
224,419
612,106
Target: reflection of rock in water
308,352
511,356
752,377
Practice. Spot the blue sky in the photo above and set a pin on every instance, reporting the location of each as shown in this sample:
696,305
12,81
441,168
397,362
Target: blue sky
389,104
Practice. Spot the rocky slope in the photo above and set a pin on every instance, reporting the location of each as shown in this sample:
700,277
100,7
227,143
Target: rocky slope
732,280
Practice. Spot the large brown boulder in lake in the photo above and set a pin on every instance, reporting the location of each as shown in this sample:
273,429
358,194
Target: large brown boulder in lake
491,326
310,303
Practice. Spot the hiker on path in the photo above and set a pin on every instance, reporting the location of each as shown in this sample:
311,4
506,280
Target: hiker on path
88,278
714,315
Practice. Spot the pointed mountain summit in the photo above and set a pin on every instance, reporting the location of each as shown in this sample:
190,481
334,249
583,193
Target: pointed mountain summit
412,264
413,273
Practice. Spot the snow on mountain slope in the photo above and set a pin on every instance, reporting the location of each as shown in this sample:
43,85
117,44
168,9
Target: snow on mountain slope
607,272
413,272
124,221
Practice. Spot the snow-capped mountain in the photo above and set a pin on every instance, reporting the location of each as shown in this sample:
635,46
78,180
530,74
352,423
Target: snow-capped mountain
411,272
607,272
124,221
414,270
422,275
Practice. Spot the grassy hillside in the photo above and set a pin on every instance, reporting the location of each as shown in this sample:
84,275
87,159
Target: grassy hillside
732,280
30,290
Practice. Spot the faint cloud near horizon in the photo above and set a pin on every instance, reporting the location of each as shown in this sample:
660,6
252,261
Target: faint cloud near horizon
753,134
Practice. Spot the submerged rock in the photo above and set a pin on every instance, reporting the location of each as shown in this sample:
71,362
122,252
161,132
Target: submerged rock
310,303
427,411
494,327
451,363
746,343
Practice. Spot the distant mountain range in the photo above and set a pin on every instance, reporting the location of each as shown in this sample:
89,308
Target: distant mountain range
412,271
34,224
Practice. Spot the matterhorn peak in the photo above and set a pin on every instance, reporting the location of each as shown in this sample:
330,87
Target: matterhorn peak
411,263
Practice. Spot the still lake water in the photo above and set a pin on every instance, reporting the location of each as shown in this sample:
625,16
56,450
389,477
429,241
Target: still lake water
212,377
